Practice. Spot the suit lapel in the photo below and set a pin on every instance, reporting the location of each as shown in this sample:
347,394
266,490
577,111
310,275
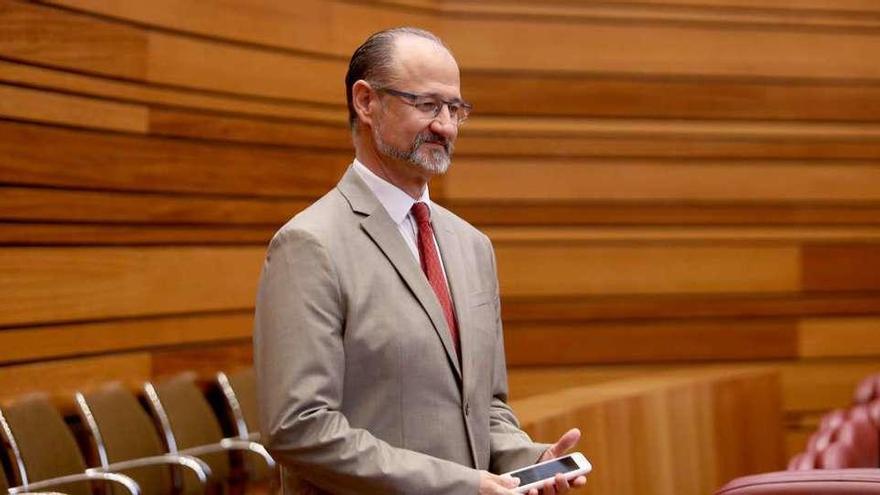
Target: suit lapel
456,274
384,232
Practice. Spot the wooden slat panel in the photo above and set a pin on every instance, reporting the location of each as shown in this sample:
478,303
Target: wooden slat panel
598,307
204,360
839,336
118,336
41,285
47,36
519,144
249,130
649,341
59,157
196,63
808,386
644,341
641,180
550,94
55,108
62,378
645,49
840,267
143,93
696,234
569,270
646,13
718,423
58,205
660,213
26,234
822,5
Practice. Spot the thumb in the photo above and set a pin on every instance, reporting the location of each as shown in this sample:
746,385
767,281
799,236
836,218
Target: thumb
507,481
568,440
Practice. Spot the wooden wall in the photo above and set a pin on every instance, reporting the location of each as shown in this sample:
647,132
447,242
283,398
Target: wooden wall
680,433
667,183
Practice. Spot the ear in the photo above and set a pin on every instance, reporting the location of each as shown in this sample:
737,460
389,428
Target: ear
363,98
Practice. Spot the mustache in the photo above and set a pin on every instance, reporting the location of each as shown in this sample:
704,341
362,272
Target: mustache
434,138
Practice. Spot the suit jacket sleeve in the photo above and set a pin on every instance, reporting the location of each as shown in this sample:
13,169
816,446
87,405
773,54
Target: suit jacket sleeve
510,447
300,362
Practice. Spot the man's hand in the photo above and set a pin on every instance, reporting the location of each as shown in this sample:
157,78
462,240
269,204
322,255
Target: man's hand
558,449
492,484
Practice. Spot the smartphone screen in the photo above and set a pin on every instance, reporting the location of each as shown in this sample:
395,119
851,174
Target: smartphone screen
544,471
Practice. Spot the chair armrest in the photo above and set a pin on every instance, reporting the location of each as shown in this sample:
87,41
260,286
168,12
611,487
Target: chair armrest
818,481
228,444
198,466
90,475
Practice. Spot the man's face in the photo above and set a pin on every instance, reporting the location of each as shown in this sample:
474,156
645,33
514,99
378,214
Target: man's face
402,132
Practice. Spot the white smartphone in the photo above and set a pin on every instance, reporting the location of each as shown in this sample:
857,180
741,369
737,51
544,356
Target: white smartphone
571,466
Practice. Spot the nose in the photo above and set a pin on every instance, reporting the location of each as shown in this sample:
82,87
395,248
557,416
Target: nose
444,124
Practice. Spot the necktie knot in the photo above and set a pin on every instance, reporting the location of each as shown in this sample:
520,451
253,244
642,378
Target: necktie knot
421,213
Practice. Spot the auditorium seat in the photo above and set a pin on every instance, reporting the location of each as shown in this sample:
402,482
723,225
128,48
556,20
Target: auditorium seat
44,451
125,440
239,390
190,426
814,482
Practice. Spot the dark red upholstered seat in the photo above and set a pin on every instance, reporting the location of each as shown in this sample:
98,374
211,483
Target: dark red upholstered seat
814,482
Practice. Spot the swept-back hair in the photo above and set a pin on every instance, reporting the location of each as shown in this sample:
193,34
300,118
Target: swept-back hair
374,59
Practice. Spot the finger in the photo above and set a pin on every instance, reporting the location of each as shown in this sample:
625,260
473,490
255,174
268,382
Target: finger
549,488
533,491
562,484
579,481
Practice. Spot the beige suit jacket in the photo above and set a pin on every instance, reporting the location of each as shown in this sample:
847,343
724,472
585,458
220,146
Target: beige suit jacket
359,385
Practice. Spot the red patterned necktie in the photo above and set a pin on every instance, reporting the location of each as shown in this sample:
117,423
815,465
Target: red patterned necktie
432,267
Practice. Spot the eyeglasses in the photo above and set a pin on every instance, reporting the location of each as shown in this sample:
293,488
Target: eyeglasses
430,106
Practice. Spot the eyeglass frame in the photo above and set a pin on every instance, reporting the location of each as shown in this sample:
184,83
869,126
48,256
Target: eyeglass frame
410,99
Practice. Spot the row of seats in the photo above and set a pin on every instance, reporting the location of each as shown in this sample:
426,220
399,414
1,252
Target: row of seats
841,457
168,441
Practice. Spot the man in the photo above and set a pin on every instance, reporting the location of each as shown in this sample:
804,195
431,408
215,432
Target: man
378,343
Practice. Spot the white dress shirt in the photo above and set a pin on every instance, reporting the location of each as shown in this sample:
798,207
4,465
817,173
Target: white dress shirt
398,205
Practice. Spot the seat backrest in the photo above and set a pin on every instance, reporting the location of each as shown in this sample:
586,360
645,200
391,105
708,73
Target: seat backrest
190,420
122,430
240,392
42,444
243,386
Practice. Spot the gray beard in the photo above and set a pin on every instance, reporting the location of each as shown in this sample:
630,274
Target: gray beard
436,162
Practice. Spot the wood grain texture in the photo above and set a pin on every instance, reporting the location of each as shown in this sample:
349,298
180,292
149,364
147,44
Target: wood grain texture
40,285
61,341
695,98
570,213
166,97
542,344
47,36
75,159
60,379
133,209
562,309
709,418
570,269
654,180
808,386
841,267
40,234
53,108
249,130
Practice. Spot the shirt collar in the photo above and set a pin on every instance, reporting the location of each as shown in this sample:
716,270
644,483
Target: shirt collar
396,202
